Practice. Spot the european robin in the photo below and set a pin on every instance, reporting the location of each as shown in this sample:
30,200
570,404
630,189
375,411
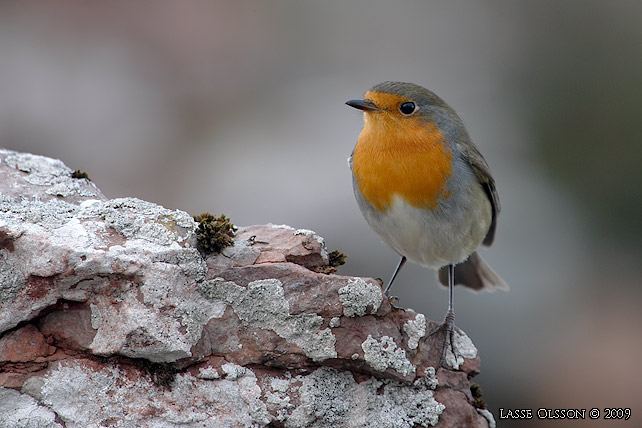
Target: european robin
425,189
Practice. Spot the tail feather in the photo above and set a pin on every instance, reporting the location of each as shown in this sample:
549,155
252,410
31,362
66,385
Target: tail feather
475,274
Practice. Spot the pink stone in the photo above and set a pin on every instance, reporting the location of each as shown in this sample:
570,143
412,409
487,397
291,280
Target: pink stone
24,344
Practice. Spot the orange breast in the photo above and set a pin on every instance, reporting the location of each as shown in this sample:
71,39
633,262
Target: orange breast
401,156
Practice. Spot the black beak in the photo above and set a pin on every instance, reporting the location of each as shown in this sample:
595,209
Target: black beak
365,105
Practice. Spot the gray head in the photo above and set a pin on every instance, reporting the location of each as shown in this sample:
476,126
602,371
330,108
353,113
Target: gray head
417,93
409,99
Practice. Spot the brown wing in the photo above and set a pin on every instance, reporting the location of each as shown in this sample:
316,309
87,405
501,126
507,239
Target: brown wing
482,171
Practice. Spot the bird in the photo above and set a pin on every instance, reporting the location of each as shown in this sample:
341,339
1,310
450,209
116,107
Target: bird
425,189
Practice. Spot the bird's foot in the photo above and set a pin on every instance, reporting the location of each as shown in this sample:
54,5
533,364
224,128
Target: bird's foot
448,326
394,301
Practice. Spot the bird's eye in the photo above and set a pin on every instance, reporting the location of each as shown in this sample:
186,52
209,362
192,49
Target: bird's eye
407,108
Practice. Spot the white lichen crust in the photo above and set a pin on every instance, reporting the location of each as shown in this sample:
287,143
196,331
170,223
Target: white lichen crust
22,411
83,397
92,397
464,348
330,398
384,353
415,329
131,260
359,296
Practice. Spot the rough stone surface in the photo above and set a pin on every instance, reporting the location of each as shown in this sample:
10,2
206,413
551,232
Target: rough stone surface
109,316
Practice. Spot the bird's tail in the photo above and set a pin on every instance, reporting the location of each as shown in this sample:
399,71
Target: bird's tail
475,274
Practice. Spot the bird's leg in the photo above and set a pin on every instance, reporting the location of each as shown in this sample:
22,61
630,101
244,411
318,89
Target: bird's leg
449,320
394,299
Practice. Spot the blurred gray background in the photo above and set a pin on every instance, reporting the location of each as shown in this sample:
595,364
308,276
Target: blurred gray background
237,108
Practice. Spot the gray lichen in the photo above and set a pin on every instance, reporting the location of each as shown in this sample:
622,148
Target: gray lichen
263,305
21,411
464,348
52,173
11,279
78,396
358,296
330,398
415,329
381,355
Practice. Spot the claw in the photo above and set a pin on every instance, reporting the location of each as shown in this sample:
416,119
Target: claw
449,326
394,301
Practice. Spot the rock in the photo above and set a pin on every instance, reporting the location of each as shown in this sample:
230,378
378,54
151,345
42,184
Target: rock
20,410
23,345
109,316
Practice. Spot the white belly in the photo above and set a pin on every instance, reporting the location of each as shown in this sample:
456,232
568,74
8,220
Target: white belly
446,235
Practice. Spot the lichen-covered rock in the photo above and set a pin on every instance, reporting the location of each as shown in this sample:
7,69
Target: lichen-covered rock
110,316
